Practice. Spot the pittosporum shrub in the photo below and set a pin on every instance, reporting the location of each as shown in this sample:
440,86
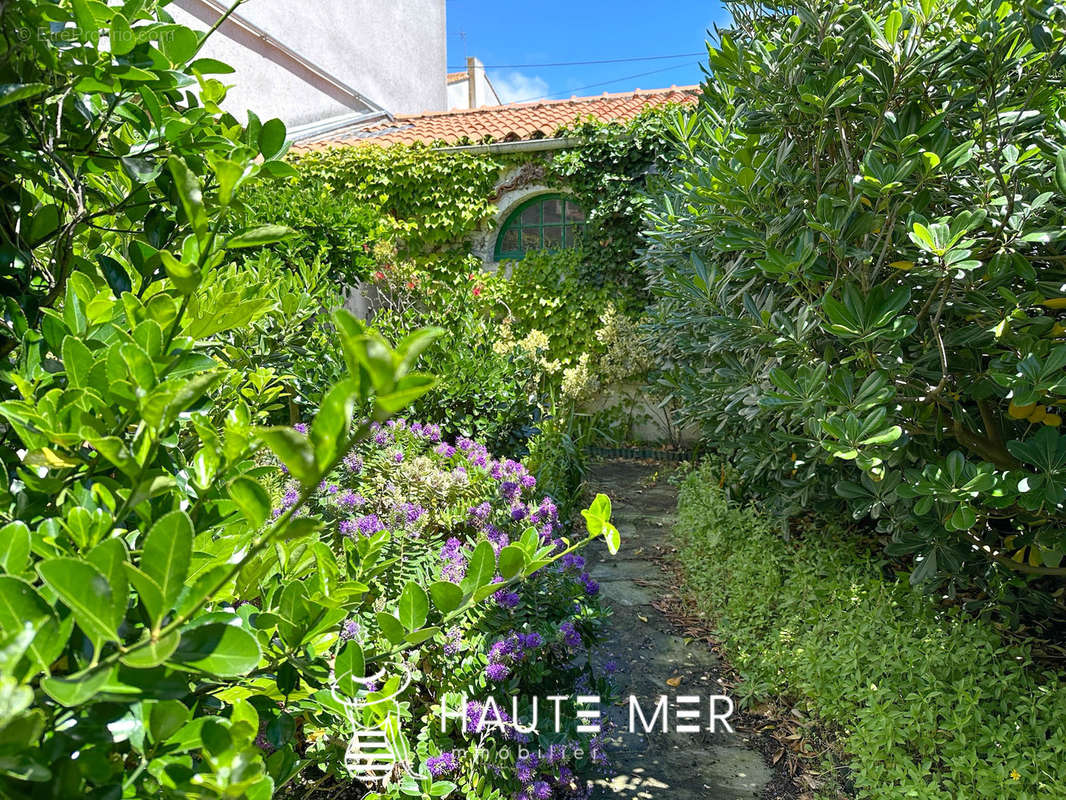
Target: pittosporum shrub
859,272
328,228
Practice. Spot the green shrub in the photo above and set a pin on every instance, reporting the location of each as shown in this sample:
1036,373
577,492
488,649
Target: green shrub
488,393
330,228
926,701
859,272
159,624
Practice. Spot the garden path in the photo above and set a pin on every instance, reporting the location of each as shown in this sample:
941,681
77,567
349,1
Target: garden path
649,653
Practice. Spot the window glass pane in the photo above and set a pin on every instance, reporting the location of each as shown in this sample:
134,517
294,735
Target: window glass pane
573,213
531,239
553,211
574,233
510,241
531,216
553,236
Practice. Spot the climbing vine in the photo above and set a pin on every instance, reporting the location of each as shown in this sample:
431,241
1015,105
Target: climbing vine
610,172
430,199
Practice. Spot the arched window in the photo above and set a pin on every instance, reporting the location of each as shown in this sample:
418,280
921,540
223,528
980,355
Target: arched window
547,222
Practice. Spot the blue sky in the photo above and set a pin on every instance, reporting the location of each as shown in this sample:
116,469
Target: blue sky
550,31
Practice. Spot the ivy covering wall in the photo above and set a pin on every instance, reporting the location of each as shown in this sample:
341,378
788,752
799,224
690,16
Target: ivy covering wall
423,201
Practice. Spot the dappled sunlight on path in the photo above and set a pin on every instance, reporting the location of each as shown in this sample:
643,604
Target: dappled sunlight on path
654,661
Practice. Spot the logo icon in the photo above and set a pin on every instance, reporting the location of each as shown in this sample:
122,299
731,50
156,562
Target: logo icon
377,751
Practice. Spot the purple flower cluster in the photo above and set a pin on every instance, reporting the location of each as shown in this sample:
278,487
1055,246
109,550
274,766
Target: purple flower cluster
454,567
453,641
479,514
481,719
350,499
570,635
545,775
369,525
407,513
546,518
444,764
507,599
508,652
349,630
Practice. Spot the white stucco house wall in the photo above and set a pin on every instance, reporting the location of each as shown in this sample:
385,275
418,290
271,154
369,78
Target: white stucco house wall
328,63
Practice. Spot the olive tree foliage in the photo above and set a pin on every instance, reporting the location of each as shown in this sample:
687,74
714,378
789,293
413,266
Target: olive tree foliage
859,271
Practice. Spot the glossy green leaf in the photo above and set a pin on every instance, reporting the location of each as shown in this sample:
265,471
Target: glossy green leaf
76,690
349,664
251,498
272,138
167,553
481,568
152,651
14,547
446,596
13,92
259,236
166,718
390,627
294,450
21,605
512,559
190,194
86,592
218,648
413,606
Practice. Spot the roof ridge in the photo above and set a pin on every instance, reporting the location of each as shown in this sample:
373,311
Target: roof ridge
510,122
536,103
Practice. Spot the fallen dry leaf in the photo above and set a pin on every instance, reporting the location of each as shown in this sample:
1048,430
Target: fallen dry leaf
675,681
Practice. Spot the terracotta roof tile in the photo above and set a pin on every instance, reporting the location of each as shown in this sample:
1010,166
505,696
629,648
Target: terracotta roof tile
455,77
505,123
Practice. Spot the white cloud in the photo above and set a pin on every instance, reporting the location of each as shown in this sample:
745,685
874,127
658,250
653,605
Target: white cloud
516,87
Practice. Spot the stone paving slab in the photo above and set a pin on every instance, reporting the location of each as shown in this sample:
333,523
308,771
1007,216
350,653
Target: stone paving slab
641,640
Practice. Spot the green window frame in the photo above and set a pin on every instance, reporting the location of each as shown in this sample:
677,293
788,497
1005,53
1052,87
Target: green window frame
544,222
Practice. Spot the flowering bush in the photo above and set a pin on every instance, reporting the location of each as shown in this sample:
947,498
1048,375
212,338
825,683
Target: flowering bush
428,508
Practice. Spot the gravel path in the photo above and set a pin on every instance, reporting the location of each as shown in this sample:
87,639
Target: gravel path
643,642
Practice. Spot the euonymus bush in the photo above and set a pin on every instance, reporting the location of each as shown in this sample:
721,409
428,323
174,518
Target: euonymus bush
860,271
923,701
162,632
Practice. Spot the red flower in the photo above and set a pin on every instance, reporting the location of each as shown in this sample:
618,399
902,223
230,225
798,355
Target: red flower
379,275
477,291
410,284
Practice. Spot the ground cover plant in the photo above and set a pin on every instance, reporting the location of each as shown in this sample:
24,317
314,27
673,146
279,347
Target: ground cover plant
923,700
859,274
162,632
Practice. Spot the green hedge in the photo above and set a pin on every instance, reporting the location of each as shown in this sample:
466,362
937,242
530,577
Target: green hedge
928,702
